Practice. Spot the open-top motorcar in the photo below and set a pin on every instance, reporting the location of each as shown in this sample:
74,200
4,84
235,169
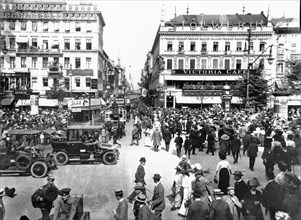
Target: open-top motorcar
22,152
82,145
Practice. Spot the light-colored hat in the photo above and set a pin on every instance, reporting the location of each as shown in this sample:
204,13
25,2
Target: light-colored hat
141,198
225,137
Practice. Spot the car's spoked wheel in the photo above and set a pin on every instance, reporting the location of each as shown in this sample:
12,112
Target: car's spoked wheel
61,158
38,169
109,158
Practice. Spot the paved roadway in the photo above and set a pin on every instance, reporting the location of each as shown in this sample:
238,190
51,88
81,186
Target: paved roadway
98,181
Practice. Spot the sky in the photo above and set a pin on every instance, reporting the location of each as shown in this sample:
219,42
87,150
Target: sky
131,26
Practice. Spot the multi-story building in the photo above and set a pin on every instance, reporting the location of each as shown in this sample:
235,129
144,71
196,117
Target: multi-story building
203,52
52,43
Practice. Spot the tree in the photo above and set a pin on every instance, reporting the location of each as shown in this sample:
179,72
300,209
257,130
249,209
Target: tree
293,76
258,87
56,92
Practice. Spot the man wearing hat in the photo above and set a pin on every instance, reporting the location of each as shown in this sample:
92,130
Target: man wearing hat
198,209
240,188
158,200
141,210
44,196
121,213
219,208
140,173
138,189
232,200
65,208
202,185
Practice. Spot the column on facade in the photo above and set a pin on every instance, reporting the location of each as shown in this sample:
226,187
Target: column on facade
198,62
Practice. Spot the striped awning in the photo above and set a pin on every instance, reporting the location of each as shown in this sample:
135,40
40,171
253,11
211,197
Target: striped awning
7,101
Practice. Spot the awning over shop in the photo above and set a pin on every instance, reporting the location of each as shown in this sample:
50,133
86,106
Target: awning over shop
48,102
205,100
202,78
7,101
23,102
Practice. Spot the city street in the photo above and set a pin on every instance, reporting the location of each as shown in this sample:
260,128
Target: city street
97,182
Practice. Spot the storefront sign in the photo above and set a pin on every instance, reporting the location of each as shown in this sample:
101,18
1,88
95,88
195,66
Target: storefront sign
76,109
80,72
78,103
209,72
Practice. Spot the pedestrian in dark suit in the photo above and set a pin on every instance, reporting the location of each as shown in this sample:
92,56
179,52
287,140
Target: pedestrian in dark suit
143,211
194,140
219,208
121,213
271,196
140,173
235,148
187,146
167,138
198,210
178,143
240,188
211,141
252,151
158,200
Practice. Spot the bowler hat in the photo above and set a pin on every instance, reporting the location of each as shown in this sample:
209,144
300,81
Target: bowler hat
238,173
65,191
118,193
142,159
156,176
141,198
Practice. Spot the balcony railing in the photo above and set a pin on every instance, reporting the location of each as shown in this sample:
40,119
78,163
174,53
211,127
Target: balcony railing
55,71
38,50
211,92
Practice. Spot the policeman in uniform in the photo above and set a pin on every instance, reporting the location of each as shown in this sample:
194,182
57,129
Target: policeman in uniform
65,208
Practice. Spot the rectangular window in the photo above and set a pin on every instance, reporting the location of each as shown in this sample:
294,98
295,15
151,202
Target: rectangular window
34,42
203,64
45,44
239,46
23,26
34,79
192,64
88,44
77,62
67,44
89,27
77,27
66,62
181,46
2,25
88,62
77,81
12,43
227,64
169,64
204,46
261,46
12,62
77,44
12,25
215,64
45,62
34,26
251,46
181,64
215,46
227,46
45,82
192,46
88,82
1,62
67,83
56,26
280,68
238,64
55,44
45,26
169,46
67,27
23,62
34,61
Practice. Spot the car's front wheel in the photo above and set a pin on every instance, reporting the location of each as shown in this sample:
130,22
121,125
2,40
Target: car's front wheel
109,158
38,169
61,158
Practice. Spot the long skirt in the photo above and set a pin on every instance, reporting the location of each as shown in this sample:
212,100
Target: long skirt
224,180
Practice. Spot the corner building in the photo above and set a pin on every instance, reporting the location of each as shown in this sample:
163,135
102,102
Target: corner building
202,53
51,43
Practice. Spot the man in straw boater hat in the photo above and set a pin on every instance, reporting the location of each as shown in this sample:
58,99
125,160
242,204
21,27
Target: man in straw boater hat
65,208
142,211
121,213
44,196
158,201
232,200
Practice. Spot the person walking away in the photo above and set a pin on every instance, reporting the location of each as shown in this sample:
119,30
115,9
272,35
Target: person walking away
194,139
252,151
202,133
121,213
240,188
252,200
187,146
269,160
232,201
167,138
44,196
246,142
271,199
235,148
158,200
223,170
65,207
211,141
219,208
143,212
178,143
198,209
156,138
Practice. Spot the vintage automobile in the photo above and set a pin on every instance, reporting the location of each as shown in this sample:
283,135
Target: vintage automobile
22,153
80,146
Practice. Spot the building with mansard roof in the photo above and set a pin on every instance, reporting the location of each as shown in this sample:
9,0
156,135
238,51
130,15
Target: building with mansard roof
202,53
51,43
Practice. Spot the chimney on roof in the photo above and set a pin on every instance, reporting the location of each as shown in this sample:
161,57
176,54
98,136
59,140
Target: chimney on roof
243,10
187,12
175,11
